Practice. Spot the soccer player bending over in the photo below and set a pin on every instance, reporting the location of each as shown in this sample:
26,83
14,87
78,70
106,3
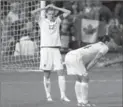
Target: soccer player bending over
79,62
50,56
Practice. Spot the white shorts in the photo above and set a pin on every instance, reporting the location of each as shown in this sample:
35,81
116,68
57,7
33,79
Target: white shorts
75,64
50,59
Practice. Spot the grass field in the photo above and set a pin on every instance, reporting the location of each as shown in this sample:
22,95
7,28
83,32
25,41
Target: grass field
26,89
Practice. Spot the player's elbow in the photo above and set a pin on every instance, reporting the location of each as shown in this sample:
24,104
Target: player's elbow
100,54
66,14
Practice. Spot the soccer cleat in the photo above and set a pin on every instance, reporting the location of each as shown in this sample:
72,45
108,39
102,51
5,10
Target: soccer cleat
87,105
65,99
79,104
49,99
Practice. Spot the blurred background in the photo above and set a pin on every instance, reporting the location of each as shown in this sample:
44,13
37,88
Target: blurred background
89,21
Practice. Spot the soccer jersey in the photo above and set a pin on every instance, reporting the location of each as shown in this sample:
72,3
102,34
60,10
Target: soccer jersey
90,51
25,47
49,32
77,60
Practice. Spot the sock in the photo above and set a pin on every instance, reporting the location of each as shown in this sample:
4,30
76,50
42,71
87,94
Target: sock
84,96
62,85
78,91
47,87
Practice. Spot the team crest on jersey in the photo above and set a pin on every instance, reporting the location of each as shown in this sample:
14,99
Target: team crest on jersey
52,26
45,65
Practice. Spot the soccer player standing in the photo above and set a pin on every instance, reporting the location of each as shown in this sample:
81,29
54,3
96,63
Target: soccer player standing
50,56
79,62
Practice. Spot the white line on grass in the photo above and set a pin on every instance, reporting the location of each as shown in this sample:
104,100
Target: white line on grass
68,81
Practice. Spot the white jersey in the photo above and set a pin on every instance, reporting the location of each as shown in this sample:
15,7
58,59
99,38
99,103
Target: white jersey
90,51
25,47
49,32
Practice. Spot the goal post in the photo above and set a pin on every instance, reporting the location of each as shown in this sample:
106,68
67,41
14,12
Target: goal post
42,4
0,68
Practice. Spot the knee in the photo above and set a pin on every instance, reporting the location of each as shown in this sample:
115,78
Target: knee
78,78
60,72
47,74
85,78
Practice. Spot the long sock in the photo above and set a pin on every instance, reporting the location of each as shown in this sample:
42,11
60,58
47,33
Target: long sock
84,96
78,91
47,87
62,85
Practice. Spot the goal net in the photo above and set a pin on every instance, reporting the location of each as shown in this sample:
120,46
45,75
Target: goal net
20,40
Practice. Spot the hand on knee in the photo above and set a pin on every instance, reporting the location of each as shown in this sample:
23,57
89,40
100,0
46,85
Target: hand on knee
60,73
47,74
78,78
85,78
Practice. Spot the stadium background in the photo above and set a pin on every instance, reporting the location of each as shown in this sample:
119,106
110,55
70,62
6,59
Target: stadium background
18,25
25,89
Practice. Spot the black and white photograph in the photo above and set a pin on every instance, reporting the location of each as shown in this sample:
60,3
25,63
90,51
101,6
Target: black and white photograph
61,53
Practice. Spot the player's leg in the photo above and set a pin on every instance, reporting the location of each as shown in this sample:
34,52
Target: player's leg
78,90
46,66
58,66
47,84
62,85
73,69
85,87
82,80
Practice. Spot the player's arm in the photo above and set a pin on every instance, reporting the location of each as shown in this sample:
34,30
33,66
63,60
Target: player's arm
111,62
65,11
94,61
39,9
101,53
35,15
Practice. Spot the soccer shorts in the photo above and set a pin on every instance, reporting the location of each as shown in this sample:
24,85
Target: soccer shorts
75,64
50,59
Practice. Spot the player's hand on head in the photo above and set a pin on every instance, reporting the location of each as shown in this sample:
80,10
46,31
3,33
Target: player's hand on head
50,5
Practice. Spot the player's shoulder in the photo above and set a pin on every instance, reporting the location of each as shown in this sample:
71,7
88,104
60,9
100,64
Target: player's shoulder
40,19
44,19
102,44
59,18
104,48
99,45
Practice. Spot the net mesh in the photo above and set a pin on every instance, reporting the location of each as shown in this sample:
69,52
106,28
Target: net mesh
20,40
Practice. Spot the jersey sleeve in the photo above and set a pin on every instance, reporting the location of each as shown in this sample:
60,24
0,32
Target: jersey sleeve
104,49
60,18
39,18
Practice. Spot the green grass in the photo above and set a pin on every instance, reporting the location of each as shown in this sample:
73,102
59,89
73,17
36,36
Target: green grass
26,89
